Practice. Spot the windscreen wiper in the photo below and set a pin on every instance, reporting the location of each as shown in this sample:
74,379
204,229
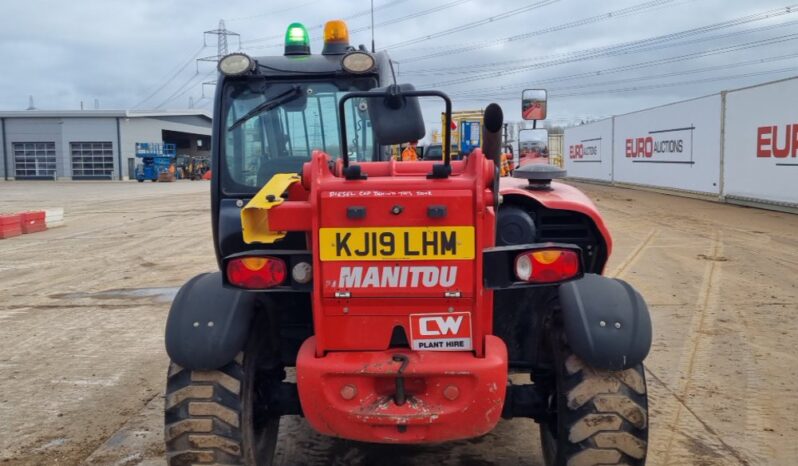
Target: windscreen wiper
278,100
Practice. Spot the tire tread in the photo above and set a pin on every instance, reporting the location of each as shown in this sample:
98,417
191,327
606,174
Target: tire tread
606,415
202,416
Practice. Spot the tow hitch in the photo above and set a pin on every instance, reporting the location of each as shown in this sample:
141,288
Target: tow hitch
400,397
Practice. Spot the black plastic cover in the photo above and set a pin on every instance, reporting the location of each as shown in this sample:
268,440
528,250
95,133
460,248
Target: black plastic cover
606,322
436,211
396,118
514,226
539,172
208,324
355,212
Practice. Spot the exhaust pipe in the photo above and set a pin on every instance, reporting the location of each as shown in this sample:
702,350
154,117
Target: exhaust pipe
492,124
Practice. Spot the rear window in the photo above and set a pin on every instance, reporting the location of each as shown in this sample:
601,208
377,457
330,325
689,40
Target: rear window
274,127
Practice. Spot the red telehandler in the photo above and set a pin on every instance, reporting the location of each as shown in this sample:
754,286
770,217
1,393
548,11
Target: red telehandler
388,301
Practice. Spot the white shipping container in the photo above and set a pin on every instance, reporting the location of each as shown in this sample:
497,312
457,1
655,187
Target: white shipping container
675,146
761,143
588,151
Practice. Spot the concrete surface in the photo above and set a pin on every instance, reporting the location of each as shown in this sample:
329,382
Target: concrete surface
82,310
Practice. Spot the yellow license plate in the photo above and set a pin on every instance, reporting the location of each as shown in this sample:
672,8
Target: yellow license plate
396,243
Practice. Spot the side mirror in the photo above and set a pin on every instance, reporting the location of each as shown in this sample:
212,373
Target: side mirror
533,146
396,117
533,104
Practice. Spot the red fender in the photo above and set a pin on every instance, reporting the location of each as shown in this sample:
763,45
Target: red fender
560,197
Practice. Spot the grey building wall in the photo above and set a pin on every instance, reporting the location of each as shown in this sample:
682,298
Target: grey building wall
3,150
66,130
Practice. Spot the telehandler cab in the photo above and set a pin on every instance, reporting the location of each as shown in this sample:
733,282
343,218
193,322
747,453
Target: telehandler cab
398,296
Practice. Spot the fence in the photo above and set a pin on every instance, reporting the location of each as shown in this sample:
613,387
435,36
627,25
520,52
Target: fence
738,146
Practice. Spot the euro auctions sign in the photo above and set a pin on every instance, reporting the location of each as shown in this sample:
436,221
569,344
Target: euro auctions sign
779,142
761,143
586,151
674,145
589,150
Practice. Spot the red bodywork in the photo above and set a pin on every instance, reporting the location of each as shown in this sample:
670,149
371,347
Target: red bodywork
560,197
453,395
346,373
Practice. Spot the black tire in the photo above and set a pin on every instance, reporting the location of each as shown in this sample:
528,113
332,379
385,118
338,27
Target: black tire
209,415
597,417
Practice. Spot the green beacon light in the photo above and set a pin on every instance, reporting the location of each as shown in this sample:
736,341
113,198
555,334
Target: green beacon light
297,40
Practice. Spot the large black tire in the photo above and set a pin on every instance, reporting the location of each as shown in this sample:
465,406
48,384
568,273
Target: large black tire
211,417
596,417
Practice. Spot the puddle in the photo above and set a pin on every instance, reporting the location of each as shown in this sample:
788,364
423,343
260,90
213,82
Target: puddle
51,444
163,295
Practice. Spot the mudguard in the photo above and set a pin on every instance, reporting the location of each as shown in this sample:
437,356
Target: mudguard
208,324
606,322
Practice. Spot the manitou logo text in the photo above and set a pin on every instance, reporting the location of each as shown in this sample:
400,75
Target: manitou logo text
769,143
397,277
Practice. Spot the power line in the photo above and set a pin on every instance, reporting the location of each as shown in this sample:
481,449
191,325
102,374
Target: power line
222,46
679,83
319,26
643,78
171,77
187,86
691,41
391,22
632,10
174,94
415,15
640,65
620,49
648,87
463,27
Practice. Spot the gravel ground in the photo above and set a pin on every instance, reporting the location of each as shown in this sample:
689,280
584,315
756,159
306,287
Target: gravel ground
82,310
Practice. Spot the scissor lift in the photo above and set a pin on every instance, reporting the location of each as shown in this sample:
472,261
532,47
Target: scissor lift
155,159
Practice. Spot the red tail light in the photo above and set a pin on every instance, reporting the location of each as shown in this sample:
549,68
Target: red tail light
256,273
547,266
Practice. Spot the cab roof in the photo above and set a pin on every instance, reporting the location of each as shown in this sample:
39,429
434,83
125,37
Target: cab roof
291,65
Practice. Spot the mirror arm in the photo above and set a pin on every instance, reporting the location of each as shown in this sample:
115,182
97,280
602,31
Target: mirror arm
392,94
447,148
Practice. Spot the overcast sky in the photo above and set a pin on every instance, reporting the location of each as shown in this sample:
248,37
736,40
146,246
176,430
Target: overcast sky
586,52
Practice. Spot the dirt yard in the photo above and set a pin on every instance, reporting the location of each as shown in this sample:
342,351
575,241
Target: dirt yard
83,307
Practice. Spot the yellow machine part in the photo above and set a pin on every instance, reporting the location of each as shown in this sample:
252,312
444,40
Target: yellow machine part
255,215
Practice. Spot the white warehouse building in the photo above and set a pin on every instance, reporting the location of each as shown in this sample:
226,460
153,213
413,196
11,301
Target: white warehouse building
92,144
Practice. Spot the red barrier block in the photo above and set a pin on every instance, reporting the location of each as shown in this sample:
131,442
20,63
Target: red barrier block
33,221
10,225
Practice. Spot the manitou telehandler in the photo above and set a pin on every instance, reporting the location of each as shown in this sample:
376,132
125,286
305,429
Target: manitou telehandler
386,301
